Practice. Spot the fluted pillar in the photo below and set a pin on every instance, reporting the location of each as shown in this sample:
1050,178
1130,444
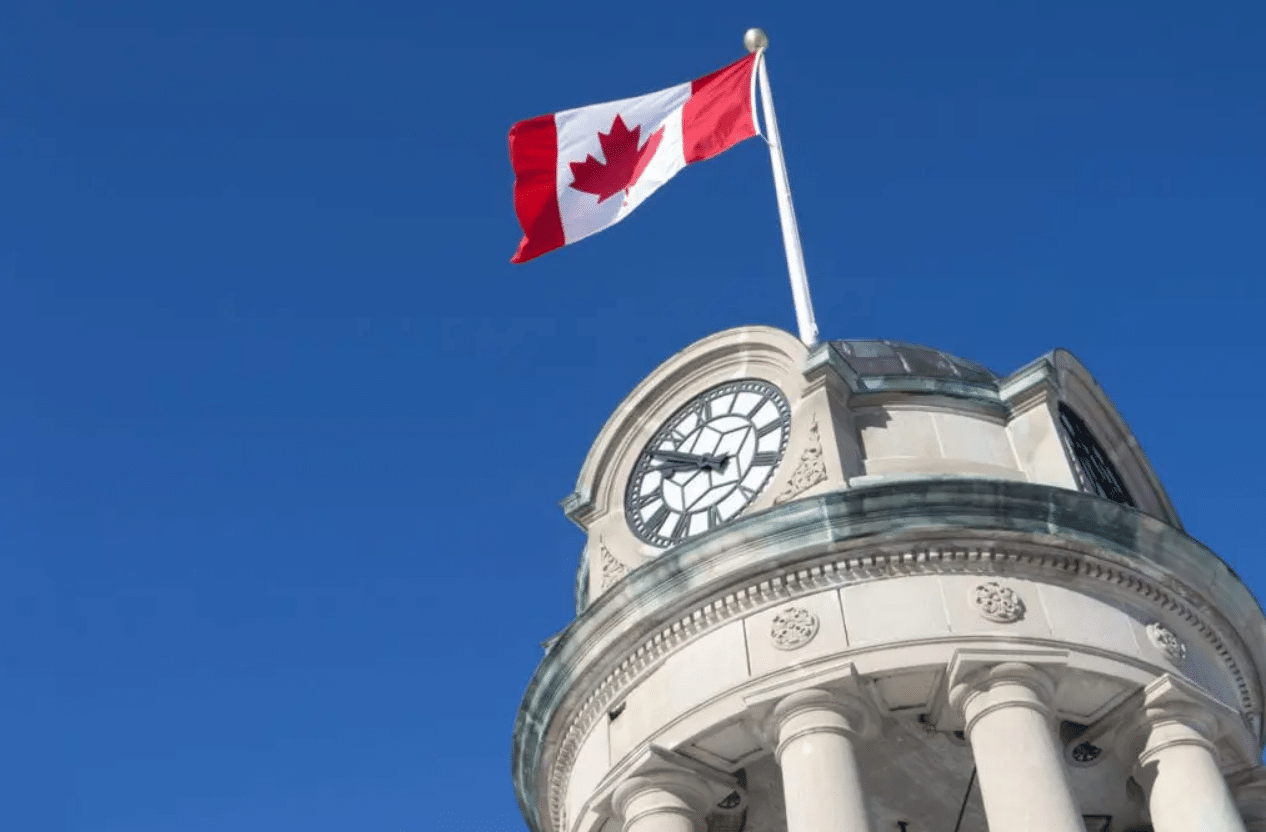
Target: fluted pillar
1023,779
662,801
822,786
1170,743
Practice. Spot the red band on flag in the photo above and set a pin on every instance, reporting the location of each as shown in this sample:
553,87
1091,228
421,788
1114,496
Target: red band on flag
718,114
534,157
620,148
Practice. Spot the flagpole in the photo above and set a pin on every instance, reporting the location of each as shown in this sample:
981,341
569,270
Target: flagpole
757,41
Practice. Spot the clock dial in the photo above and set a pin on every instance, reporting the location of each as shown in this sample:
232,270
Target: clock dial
707,462
1094,468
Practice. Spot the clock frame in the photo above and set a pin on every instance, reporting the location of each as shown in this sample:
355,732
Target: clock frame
708,461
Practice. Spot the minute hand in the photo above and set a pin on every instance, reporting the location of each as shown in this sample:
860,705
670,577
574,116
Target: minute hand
703,461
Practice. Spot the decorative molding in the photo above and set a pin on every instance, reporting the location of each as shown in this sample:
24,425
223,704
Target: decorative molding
810,471
997,602
1167,642
612,569
793,628
640,661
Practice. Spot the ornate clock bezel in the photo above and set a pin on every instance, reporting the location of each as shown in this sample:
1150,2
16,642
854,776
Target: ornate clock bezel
769,392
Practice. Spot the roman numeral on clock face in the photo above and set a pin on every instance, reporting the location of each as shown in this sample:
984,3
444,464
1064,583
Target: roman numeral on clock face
657,519
765,458
646,499
679,529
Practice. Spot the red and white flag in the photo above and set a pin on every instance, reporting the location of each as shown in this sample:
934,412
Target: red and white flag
578,171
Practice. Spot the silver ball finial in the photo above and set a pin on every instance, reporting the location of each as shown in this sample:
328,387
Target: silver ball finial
755,39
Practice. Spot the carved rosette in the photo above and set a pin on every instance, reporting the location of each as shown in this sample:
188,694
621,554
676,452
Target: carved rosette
793,628
846,570
810,470
1167,642
612,569
998,603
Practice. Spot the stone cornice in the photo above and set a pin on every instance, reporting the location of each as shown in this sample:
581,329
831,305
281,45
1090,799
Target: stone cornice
1029,386
911,527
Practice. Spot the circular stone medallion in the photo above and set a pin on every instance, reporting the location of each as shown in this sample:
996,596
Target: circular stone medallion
1167,642
792,628
998,603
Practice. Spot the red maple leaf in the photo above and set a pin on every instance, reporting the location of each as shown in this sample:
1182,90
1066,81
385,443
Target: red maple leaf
625,161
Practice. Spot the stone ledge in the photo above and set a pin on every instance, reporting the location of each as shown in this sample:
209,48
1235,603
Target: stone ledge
646,607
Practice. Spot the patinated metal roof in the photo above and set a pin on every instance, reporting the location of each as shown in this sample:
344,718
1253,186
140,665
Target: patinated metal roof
894,358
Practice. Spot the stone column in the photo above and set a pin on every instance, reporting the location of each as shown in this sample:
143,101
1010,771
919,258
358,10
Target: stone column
1170,742
662,801
1023,779
822,786
1249,790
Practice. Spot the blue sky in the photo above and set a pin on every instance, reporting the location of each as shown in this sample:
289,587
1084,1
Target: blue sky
282,432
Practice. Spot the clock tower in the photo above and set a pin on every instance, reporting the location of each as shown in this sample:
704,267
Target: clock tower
873,586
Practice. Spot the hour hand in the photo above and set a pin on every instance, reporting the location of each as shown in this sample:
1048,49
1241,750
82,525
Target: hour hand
671,468
677,456
677,460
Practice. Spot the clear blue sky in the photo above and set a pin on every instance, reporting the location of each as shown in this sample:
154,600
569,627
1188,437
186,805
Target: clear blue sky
282,432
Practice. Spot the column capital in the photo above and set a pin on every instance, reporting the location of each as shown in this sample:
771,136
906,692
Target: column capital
1171,712
815,711
1003,685
671,791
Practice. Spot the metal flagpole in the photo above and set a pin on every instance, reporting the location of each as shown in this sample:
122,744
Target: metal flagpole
757,41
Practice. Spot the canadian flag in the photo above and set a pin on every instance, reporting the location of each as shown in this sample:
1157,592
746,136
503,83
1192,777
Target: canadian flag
579,171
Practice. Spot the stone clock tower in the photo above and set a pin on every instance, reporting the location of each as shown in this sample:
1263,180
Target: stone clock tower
871,586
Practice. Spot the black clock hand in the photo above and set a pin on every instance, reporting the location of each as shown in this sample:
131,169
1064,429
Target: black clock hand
674,467
679,461
715,463
678,456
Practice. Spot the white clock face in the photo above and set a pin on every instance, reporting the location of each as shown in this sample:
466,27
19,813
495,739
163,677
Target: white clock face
708,462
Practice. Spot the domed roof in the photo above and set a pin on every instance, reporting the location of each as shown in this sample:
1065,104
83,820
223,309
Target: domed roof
894,358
